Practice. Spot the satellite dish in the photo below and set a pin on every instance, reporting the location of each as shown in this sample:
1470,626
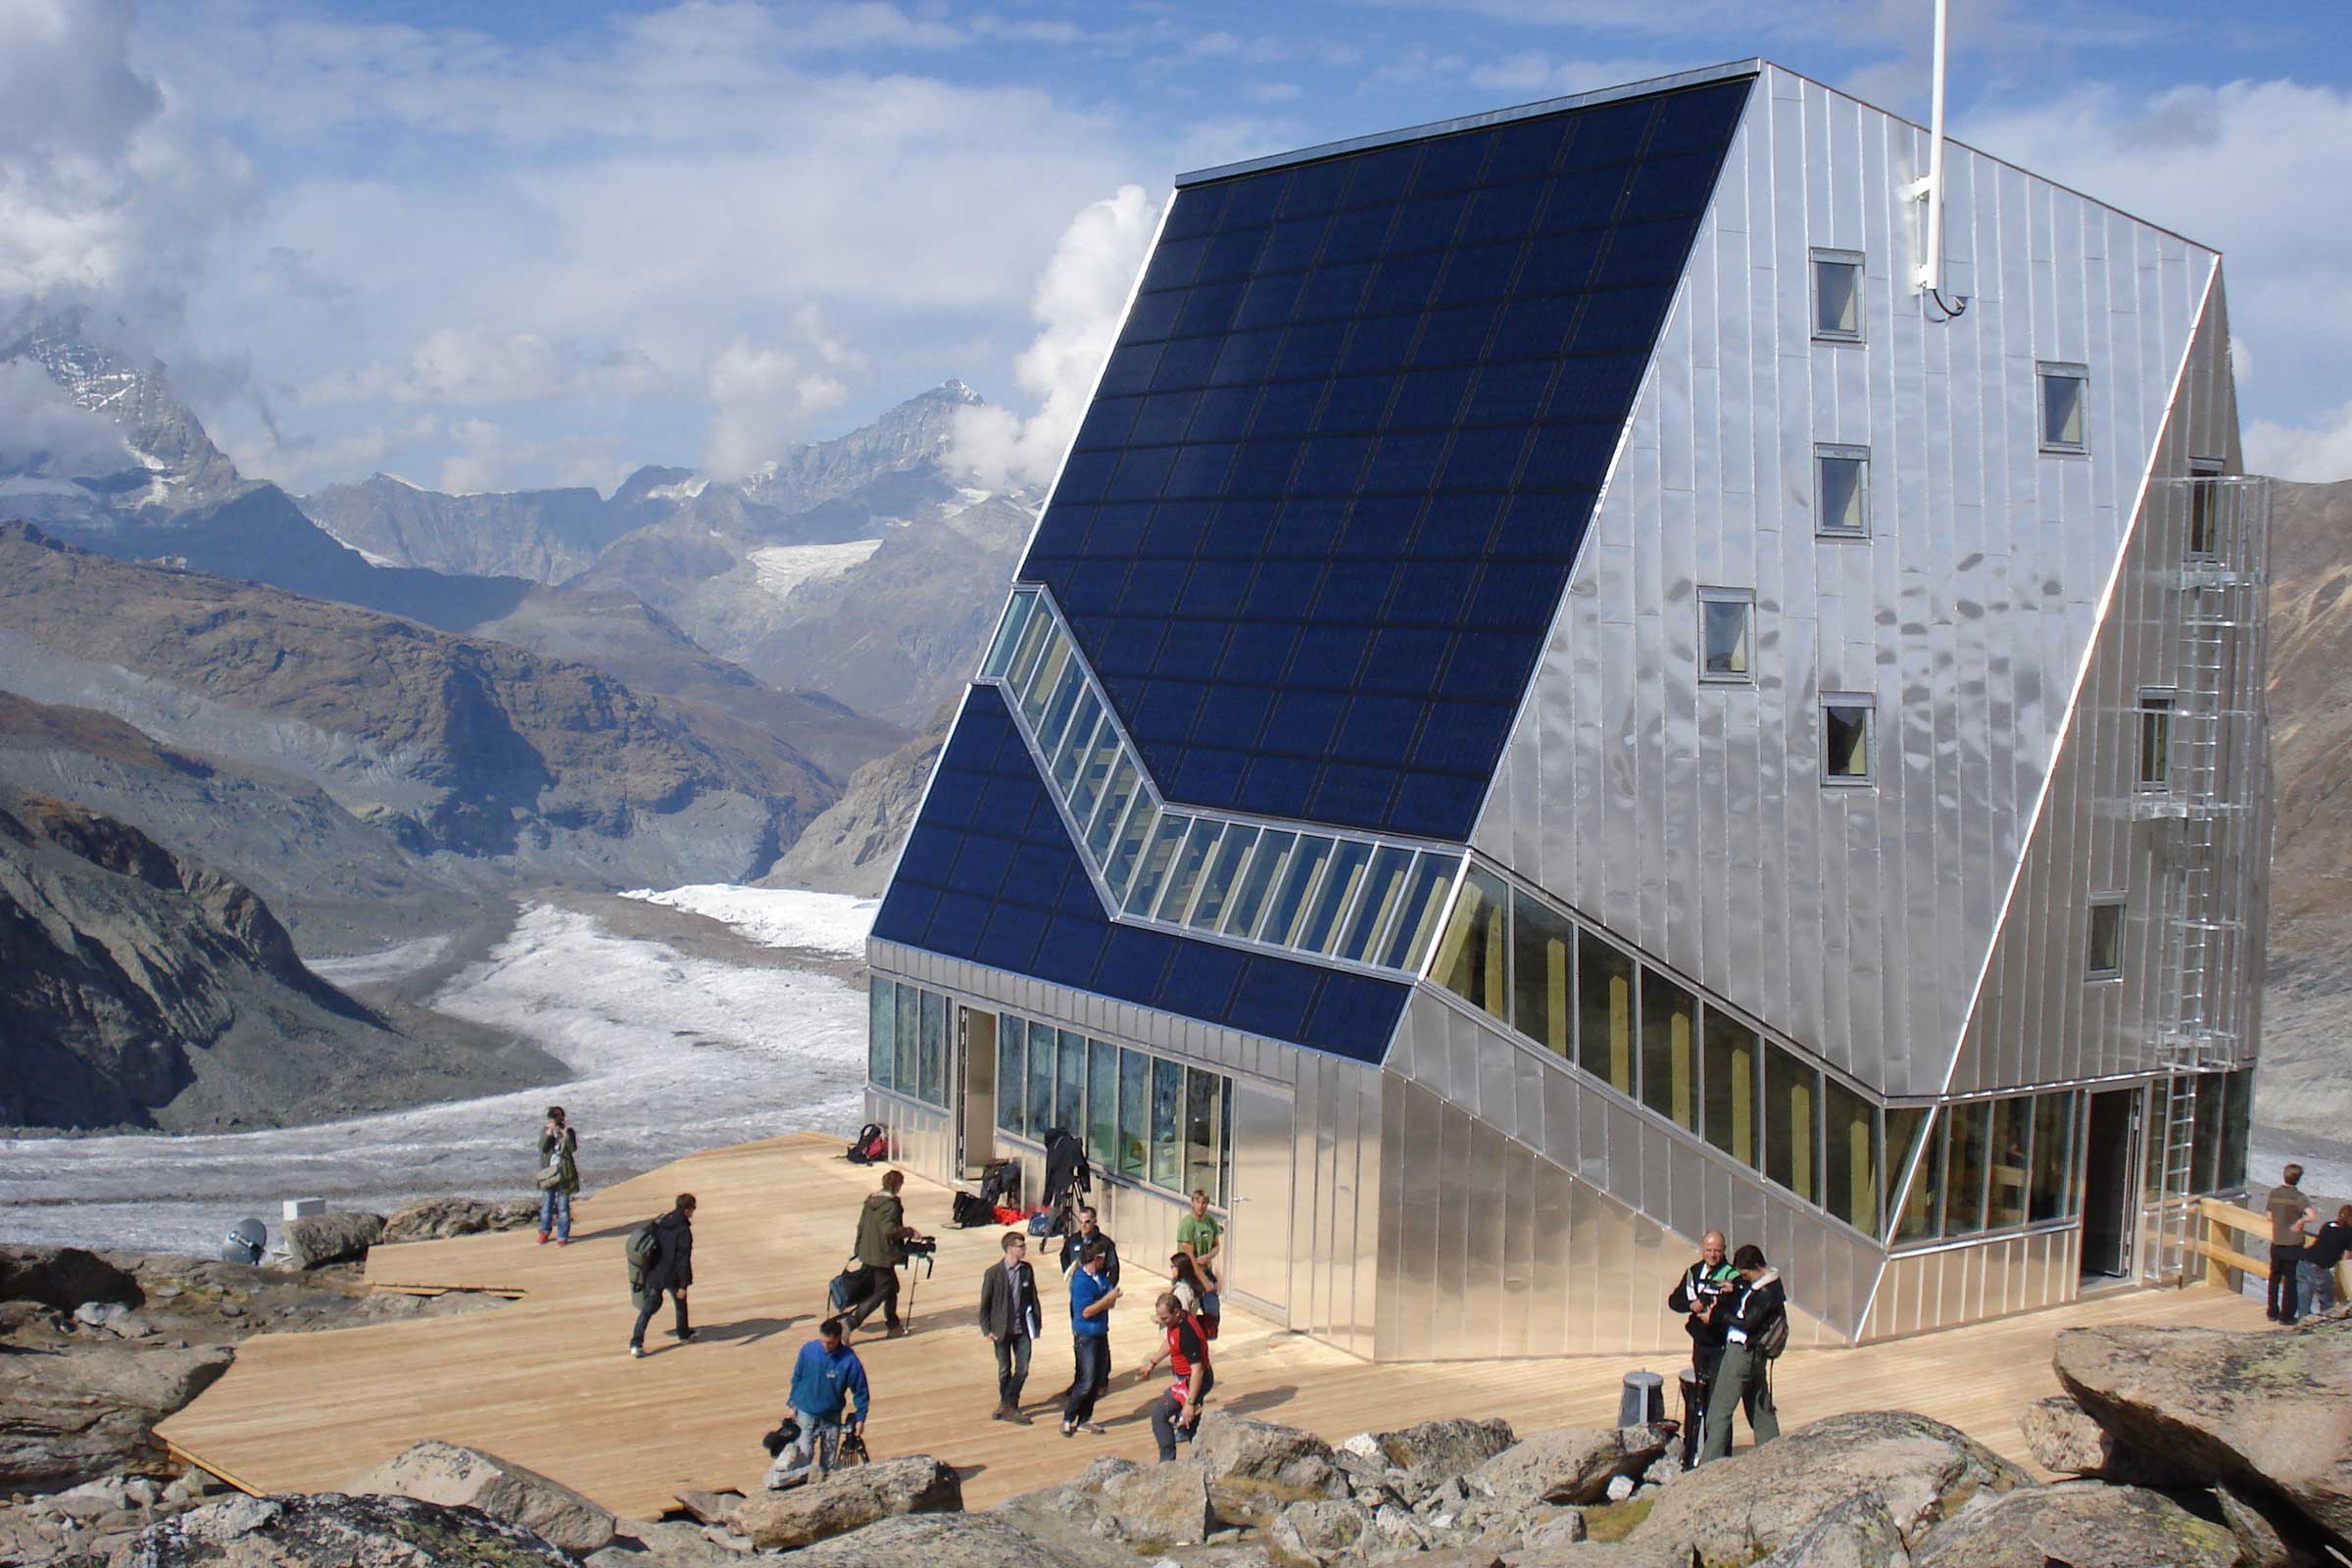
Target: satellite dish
245,1242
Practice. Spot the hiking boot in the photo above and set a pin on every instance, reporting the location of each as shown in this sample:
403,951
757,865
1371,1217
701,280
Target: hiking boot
683,1336
543,1237
1002,1412
1013,1414
896,1331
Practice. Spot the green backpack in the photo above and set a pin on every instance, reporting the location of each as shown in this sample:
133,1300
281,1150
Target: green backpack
642,1250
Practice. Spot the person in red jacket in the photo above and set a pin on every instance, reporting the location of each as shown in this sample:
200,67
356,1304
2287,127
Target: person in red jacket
1176,1414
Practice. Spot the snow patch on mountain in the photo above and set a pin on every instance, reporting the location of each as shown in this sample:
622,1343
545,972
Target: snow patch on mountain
785,567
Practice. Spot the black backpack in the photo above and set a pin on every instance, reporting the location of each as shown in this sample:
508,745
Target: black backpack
970,1211
872,1143
641,1251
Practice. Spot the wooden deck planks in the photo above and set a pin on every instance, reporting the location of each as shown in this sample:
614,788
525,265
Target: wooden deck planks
545,1381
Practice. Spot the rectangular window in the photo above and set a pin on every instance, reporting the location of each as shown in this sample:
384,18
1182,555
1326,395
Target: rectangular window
2065,408
2152,1140
1921,1218
934,1042
1287,912
1152,872
1341,881
1041,680
1542,973
1470,954
1965,1168
1101,1101
1115,795
2156,741
1077,743
1849,1146
2106,957
1012,1073
1128,845
1069,1083
1201,1157
1087,787
906,1072
1009,635
1904,1124
2012,1145
1838,296
1604,1013
1792,1123
1841,491
1068,685
1669,1049
1135,1106
1024,655
881,1036
1167,1116
2237,1119
1041,1080
1726,635
1184,876
1424,902
1383,884
2205,1174
1248,900
1847,723
1224,867
2053,1150
2204,518
1733,1066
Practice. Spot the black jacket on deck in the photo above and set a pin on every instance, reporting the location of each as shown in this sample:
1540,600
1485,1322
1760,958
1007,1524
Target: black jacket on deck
1073,1246
673,1265
1698,1286
1754,1305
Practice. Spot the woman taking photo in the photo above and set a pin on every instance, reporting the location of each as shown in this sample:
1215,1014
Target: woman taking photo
559,1177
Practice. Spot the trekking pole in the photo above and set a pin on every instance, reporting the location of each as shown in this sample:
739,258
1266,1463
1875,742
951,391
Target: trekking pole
913,1278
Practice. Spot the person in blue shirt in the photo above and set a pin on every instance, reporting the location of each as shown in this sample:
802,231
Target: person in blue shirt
1092,1297
827,1380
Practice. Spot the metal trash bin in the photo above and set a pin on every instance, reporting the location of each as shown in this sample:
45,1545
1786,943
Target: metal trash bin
1642,1401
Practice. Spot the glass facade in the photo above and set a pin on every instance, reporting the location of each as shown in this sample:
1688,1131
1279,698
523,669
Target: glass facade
1144,1118
907,1046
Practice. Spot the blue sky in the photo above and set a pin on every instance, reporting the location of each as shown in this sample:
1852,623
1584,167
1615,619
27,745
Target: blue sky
486,246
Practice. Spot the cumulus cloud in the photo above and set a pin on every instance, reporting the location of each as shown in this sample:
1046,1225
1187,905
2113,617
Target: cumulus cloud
476,366
2320,454
490,459
45,434
764,396
1080,300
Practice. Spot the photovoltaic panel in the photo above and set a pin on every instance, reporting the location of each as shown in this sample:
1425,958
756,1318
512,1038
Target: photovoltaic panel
989,874
1314,524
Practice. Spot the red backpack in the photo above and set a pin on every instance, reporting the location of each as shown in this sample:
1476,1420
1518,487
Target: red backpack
873,1144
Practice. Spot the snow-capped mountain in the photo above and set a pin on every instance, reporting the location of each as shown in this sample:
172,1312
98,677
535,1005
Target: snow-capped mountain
171,463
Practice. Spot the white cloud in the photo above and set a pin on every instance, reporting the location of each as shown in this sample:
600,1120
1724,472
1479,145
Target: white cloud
1080,300
2319,455
476,366
43,432
764,397
491,459
1534,72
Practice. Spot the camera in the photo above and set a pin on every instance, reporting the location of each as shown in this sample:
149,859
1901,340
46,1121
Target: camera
920,1245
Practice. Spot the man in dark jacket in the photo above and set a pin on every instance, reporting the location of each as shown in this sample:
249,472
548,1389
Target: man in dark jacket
672,1270
1697,1296
882,1236
1011,1318
1088,1233
1743,1379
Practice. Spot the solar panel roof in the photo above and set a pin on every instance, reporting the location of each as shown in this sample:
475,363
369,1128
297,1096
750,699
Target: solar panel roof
989,874
1319,515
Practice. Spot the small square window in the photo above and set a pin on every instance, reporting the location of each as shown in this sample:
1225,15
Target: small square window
1846,724
2065,408
1726,635
1838,296
1841,491
2105,961
2156,741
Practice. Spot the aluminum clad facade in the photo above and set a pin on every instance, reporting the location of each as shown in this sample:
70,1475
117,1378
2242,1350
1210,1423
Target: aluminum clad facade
1692,817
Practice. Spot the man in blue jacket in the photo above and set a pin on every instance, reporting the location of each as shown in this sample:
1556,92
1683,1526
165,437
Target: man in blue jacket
1092,1297
826,1381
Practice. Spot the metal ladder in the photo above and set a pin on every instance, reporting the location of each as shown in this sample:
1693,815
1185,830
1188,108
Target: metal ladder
2177,1219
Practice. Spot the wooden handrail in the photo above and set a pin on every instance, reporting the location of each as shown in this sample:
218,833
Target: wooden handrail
2235,1218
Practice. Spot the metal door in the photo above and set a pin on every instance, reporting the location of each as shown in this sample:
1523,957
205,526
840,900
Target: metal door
975,1089
1258,1236
2110,1198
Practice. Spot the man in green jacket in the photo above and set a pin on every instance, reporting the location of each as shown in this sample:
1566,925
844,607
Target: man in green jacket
882,1236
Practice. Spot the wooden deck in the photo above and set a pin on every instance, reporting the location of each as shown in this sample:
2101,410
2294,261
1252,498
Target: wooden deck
546,1381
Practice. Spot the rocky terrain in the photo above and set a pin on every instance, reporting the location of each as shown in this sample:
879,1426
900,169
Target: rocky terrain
142,988
852,845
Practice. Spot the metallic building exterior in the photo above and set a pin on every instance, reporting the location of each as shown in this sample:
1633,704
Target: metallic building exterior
1949,1004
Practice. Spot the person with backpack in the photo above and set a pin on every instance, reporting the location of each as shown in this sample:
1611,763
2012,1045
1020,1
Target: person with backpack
661,1256
829,1395
1199,1235
559,1176
1012,1319
1176,1413
882,1236
1696,1296
1092,1297
1755,1319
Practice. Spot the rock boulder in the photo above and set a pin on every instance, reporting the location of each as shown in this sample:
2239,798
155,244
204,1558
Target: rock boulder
952,1541
1441,1450
1166,1503
297,1532
323,1239
435,1219
74,1415
460,1477
2262,1411
1318,1531
1571,1464
847,1501
1235,1446
64,1277
1759,1500
1858,1532
2062,1437
2081,1524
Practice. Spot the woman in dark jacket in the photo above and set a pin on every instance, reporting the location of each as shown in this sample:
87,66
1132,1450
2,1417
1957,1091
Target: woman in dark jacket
1743,1377
672,1270
559,1176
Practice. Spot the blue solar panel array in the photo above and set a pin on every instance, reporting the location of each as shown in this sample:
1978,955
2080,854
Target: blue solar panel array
989,875
1315,524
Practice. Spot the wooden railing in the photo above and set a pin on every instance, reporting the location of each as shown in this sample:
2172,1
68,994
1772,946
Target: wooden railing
2223,1221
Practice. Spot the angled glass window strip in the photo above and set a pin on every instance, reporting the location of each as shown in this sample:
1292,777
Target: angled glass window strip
1224,867
1115,798
1024,657
1424,905
1128,847
1075,743
1049,665
1151,872
1249,900
1093,769
1287,913
1008,636
1383,886
1341,881
1184,876
1068,687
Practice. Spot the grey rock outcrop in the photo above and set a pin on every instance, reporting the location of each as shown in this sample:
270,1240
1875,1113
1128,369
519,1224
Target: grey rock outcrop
1858,1532
1572,1464
64,1278
1759,1500
1431,1452
851,845
366,1532
2264,1413
433,1219
1257,1468
1163,1503
952,1541
79,1413
1318,1531
455,1477
849,1499
2081,1524
318,1240
2063,1438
